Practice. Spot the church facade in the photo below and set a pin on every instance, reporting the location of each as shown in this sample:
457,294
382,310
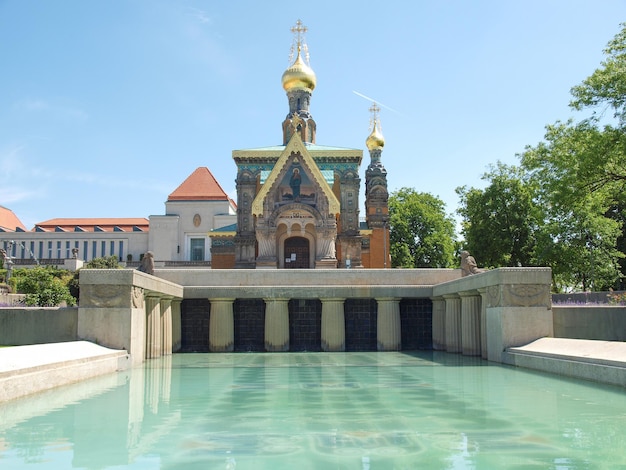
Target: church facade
298,203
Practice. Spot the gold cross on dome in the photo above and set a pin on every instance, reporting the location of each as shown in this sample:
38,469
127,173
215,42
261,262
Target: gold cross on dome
298,30
374,109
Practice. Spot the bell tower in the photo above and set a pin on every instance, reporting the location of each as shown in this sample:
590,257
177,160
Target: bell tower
376,195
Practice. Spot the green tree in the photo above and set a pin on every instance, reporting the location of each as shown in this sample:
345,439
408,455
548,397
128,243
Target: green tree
421,233
500,221
580,174
605,88
43,286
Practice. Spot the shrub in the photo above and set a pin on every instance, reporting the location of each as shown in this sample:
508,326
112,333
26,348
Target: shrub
107,262
44,286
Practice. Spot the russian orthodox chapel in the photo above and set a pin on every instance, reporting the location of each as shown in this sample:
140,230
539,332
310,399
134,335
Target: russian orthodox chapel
298,203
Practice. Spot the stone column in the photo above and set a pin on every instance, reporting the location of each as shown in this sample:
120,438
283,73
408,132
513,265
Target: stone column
453,323
483,322
470,323
166,326
388,324
439,323
221,325
276,325
177,334
333,325
153,326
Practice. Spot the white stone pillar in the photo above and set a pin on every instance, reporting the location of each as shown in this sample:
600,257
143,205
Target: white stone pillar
483,322
333,325
439,323
470,323
276,325
388,324
177,334
221,325
166,326
453,323
153,326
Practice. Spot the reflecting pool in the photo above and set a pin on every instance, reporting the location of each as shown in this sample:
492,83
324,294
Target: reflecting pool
318,411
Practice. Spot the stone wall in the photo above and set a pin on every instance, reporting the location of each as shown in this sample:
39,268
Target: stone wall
37,325
607,323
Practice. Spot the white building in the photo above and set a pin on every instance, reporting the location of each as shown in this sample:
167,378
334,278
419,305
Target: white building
180,237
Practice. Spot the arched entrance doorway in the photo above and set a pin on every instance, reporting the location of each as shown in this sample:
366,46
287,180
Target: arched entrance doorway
297,253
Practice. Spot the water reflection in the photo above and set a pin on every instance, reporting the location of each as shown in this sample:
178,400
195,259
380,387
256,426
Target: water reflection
337,410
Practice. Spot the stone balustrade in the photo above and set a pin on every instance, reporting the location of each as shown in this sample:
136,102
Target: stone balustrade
479,315
128,309
489,312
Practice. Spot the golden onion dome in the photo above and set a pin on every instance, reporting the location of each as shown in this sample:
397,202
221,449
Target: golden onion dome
299,76
375,141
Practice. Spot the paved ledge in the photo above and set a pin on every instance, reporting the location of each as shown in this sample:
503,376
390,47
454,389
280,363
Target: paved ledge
30,369
598,361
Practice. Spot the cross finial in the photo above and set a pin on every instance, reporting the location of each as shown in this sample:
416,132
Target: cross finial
374,109
299,43
298,30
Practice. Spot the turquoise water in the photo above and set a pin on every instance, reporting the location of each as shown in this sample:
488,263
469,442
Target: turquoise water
318,411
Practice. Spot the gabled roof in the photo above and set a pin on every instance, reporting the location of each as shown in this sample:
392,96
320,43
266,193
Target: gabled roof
9,221
201,185
295,147
132,224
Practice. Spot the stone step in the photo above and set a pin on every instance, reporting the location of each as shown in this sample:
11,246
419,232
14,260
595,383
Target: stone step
33,368
598,361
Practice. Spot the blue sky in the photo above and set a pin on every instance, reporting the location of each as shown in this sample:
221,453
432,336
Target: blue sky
107,106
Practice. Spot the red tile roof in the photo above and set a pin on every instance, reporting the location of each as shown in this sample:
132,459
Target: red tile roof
90,224
9,221
201,185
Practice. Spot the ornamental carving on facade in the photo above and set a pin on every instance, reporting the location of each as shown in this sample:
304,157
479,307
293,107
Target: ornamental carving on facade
137,297
526,295
105,295
493,296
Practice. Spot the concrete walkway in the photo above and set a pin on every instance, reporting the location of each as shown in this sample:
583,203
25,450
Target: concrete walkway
34,368
599,361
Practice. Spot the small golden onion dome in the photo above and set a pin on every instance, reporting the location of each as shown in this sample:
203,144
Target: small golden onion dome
375,141
299,76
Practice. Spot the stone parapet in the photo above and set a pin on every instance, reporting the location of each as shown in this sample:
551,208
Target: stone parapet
309,277
131,310
502,308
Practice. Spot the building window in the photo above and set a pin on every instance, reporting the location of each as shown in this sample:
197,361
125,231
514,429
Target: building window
58,250
120,252
49,250
40,250
196,249
103,247
85,247
67,249
112,248
94,249
32,250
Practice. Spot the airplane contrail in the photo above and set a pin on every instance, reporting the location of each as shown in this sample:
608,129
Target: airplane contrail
375,101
